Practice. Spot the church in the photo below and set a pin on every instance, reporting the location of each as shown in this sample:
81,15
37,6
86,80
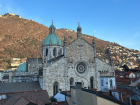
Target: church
62,64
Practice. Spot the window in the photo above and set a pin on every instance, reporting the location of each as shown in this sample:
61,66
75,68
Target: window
71,81
54,52
91,82
55,88
102,84
46,52
111,87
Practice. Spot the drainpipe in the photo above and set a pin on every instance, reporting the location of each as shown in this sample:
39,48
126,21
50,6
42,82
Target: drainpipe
121,96
130,100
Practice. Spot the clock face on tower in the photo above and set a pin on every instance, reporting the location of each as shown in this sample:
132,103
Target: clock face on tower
81,68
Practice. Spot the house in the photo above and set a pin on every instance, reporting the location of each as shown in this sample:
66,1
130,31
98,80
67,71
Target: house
60,97
130,74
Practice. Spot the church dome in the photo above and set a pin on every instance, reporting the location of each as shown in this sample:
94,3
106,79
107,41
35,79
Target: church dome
52,39
22,67
52,26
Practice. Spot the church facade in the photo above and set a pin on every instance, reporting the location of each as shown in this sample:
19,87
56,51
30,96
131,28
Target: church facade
77,63
64,64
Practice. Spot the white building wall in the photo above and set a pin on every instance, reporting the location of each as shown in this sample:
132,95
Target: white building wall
106,82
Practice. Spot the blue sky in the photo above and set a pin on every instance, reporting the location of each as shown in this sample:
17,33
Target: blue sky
110,20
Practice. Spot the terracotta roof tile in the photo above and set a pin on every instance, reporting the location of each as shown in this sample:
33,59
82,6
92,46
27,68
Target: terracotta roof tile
60,103
125,93
129,72
28,96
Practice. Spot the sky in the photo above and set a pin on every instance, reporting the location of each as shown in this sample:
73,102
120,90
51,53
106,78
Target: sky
110,20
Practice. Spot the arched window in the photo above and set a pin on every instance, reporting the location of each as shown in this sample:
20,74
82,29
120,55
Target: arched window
91,82
46,52
55,88
71,81
111,87
54,52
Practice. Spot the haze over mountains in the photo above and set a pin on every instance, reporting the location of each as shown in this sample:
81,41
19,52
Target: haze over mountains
20,37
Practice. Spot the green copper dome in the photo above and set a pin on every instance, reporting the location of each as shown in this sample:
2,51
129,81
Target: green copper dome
52,39
22,67
52,26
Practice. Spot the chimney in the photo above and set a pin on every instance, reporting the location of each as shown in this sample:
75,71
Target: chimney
79,92
78,85
2,100
37,102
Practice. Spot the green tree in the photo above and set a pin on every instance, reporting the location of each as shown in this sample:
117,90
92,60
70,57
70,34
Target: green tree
8,61
53,99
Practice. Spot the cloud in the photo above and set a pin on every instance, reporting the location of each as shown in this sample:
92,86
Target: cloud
94,31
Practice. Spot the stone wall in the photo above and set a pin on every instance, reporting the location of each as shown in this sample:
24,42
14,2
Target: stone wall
54,73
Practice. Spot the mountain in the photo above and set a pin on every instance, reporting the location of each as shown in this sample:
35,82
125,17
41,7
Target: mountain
21,38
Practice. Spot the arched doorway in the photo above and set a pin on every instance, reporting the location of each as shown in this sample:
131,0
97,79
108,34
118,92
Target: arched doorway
91,82
55,88
71,81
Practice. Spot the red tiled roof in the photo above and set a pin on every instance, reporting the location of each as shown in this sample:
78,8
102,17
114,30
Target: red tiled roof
93,89
125,94
124,79
60,103
129,72
32,96
65,92
22,101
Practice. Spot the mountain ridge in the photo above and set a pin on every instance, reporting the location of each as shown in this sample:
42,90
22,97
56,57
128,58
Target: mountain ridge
21,38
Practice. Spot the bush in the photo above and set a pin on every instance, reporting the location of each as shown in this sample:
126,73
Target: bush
53,99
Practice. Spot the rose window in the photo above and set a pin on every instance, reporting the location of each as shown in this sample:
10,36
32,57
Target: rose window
81,67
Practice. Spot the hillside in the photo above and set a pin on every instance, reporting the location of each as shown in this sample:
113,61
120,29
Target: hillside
21,38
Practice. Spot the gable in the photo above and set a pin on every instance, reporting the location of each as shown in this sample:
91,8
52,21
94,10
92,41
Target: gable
103,66
79,49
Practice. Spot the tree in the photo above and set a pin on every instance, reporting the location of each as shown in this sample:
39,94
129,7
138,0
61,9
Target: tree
125,68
